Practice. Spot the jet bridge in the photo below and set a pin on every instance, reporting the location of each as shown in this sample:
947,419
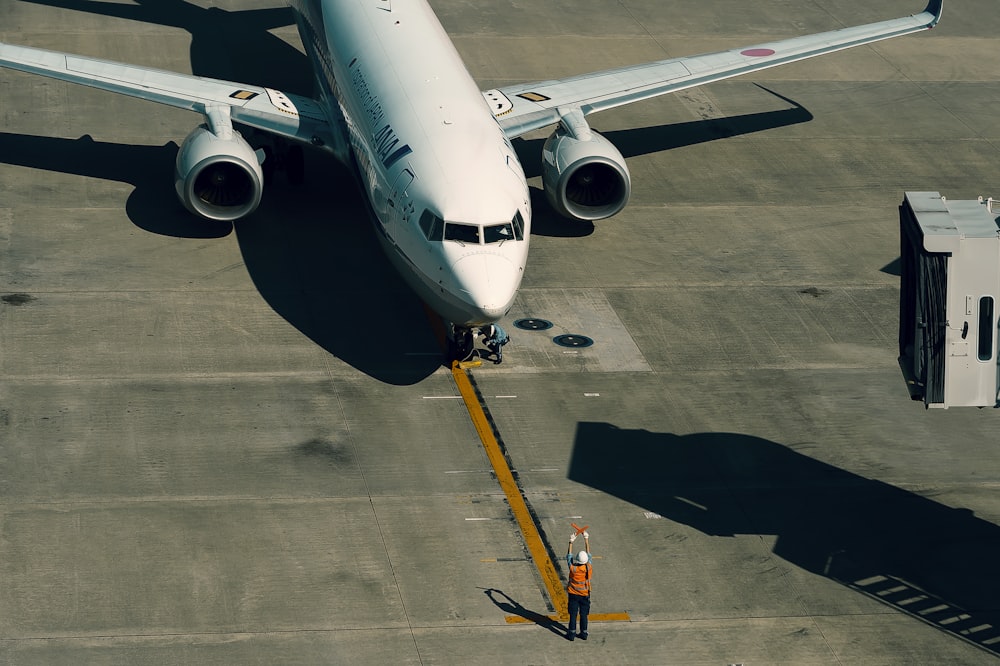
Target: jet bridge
949,286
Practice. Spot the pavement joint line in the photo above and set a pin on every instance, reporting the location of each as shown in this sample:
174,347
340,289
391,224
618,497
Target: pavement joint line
593,617
519,507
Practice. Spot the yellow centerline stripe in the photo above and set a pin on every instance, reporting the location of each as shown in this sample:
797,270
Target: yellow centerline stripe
533,539
519,507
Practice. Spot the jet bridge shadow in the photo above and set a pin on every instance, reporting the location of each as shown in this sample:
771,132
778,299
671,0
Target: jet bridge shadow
310,250
931,561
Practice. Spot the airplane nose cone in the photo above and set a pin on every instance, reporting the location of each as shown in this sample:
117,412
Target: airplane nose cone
489,282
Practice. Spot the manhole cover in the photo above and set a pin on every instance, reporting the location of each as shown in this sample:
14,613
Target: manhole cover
570,340
533,324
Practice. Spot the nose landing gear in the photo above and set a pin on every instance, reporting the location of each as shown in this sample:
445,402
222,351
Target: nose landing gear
462,343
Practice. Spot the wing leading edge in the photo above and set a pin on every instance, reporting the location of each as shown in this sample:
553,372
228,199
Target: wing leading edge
525,107
284,114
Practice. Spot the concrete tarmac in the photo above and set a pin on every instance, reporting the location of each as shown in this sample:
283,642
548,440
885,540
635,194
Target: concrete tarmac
238,445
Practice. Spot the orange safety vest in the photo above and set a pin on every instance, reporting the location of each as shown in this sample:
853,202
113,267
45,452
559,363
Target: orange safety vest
579,579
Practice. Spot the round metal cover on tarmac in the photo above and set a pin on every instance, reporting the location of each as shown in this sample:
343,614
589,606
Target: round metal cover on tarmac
572,340
532,324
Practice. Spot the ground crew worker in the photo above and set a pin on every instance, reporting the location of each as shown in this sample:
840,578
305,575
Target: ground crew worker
495,339
578,589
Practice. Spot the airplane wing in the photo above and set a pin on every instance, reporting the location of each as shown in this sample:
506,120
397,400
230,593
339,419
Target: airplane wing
284,114
525,107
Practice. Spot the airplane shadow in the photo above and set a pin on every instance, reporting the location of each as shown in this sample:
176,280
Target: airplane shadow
312,253
644,141
229,45
310,250
152,205
931,561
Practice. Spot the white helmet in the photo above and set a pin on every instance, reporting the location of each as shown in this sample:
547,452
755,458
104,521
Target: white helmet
582,557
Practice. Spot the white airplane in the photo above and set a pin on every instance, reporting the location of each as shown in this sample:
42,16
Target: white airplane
432,153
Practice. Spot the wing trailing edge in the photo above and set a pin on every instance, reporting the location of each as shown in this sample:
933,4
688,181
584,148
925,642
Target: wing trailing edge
525,107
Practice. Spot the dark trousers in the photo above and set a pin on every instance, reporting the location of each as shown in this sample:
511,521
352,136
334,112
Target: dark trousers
581,605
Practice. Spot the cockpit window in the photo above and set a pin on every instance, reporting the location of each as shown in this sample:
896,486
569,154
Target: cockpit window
436,229
463,233
497,233
518,223
431,225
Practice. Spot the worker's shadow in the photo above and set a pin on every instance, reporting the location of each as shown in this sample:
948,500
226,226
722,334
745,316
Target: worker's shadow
511,607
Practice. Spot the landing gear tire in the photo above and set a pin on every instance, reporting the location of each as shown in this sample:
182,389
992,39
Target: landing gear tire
287,158
269,167
462,345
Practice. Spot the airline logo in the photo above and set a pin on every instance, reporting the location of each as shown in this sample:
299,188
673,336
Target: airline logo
384,139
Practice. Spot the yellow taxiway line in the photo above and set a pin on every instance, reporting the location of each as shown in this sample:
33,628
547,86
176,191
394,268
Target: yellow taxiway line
519,507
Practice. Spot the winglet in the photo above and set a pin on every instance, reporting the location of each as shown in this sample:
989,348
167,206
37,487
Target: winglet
934,7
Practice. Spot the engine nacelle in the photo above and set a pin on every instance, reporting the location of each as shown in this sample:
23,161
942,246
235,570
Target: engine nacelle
584,179
216,178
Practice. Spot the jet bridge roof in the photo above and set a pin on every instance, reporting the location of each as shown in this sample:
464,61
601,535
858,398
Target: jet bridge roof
944,223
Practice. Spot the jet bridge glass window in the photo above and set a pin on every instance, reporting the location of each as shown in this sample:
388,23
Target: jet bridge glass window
985,328
432,226
463,233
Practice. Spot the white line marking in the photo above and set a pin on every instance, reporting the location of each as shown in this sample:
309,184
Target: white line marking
591,395
505,396
442,397
694,504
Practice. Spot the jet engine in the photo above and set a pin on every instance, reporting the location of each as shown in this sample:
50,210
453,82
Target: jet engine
584,175
218,178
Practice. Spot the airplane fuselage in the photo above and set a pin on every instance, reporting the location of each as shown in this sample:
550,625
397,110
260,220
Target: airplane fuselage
446,190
